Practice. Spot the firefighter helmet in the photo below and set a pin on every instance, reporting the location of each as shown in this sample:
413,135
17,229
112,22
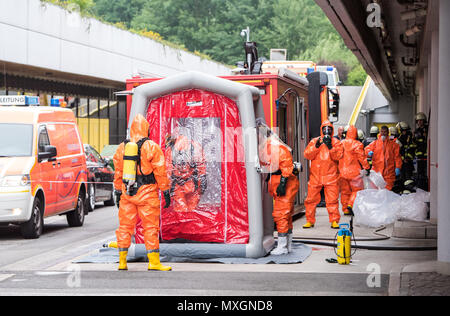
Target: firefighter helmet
393,130
361,135
403,126
374,130
421,116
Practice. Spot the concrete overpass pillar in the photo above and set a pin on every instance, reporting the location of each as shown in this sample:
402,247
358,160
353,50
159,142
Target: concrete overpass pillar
443,131
424,106
433,98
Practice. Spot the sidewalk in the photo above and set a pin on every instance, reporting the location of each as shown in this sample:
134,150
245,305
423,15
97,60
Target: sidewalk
414,275
423,279
404,270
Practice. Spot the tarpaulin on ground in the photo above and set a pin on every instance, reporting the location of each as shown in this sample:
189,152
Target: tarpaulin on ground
300,252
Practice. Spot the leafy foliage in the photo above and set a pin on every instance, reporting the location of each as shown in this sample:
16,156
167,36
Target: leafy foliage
83,6
118,10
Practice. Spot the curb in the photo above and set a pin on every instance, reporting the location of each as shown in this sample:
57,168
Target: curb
395,279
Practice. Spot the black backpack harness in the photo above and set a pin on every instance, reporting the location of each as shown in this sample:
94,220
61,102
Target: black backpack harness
141,179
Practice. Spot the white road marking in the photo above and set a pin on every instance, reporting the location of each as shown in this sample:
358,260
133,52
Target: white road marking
4,277
50,258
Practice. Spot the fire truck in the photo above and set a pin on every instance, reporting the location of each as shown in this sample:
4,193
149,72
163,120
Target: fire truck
301,68
230,212
294,107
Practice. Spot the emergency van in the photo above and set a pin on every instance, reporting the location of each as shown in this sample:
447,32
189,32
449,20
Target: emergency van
42,165
332,73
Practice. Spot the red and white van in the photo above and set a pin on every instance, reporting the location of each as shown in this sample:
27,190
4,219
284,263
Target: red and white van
42,167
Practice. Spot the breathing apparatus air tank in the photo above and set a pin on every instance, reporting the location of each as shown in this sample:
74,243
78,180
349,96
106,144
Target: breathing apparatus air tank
130,160
344,246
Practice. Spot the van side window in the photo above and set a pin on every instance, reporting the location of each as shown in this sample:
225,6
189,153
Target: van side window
97,156
89,155
43,139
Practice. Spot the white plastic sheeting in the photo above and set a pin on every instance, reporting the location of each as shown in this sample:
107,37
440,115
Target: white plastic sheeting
412,206
375,208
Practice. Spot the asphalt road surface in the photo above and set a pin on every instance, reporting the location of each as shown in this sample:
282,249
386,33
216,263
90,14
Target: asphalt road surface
44,267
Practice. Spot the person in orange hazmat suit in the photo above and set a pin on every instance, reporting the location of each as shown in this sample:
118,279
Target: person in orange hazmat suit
144,203
186,167
350,168
386,158
283,184
324,152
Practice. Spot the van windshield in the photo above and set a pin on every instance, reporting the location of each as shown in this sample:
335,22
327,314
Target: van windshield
331,81
16,140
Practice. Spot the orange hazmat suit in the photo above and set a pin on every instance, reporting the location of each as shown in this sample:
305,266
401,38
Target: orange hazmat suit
386,158
277,158
145,204
323,173
186,167
350,167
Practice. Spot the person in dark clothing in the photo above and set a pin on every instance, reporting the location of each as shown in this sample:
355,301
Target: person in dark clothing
407,151
340,133
421,150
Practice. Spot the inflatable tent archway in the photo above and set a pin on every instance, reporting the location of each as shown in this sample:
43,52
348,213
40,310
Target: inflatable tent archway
154,100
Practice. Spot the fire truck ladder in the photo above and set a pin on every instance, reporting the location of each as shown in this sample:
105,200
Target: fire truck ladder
360,102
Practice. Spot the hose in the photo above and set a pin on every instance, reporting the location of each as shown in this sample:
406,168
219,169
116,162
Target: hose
367,247
323,242
376,232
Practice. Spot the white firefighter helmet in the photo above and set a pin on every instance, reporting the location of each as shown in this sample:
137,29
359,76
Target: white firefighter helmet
374,130
421,116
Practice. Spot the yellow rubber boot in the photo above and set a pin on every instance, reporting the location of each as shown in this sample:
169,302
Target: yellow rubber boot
112,244
335,225
155,264
308,225
348,210
123,260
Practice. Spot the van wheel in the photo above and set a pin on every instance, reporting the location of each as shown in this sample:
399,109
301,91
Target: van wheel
34,227
91,198
111,201
76,217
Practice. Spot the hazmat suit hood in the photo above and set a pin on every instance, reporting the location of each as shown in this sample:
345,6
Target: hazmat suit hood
386,158
352,132
354,157
326,123
139,128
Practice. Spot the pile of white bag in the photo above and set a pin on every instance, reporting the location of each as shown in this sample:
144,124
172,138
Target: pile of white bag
413,206
375,206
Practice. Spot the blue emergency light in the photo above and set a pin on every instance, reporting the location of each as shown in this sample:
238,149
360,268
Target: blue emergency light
31,100
23,100
310,70
330,68
54,102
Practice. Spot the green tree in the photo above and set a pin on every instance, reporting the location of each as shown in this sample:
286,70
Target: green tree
296,25
208,26
118,10
332,51
212,27
357,76
84,5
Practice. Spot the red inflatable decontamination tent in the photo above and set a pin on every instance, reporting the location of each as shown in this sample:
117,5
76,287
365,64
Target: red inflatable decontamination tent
210,124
